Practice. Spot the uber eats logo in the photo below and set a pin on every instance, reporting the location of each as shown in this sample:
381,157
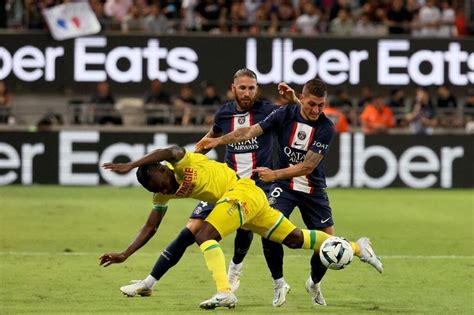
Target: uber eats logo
385,62
94,62
77,157
394,62
417,166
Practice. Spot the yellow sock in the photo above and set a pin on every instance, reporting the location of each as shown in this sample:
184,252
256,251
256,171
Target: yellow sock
313,239
355,248
215,261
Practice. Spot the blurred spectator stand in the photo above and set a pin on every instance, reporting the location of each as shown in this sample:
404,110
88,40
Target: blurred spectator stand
377,117
103,106
422,117
158,106
337,117
184,105
449,115
5,105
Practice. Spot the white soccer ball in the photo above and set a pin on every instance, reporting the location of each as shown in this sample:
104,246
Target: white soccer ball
336,253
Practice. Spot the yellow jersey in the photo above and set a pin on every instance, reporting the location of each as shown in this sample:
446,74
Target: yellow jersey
198,178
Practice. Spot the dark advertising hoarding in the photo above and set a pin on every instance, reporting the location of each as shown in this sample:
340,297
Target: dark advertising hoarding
37,62
354,160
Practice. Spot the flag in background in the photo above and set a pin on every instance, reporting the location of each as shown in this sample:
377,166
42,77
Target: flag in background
71,20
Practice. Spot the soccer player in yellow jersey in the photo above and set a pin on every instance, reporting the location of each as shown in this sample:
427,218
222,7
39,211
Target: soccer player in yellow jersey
239,203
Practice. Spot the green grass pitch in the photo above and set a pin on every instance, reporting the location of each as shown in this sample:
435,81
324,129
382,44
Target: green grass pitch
51,238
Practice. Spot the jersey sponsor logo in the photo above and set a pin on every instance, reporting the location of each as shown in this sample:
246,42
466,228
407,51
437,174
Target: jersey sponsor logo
320,145
294,157
247,145
188,185
232,209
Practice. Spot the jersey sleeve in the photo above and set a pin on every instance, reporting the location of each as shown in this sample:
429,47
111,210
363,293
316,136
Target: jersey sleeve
217,128
323,138
274,119
183,163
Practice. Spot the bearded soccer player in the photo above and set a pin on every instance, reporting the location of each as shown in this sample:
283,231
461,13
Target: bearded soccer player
304,135
239,204
244,158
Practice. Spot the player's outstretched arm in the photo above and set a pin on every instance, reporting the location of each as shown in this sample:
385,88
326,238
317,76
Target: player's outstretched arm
310,162
171,154
144,235
211,134
235,136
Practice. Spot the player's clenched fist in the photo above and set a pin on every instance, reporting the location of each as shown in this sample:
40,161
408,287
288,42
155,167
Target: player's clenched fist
265,174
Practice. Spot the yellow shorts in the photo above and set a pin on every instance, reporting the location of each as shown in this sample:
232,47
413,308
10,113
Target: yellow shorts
246,206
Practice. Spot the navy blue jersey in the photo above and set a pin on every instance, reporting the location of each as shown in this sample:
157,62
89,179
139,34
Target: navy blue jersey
296,136
245,156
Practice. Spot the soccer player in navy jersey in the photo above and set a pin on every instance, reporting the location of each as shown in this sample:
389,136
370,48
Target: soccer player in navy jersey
242,157
304,135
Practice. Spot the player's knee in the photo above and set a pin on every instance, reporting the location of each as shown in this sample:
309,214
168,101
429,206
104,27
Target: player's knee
329,230
206,233
294,239
194,225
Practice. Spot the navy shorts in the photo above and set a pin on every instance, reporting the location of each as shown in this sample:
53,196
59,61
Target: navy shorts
315,210
203,208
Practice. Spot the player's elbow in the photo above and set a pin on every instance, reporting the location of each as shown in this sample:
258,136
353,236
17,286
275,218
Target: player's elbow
307,169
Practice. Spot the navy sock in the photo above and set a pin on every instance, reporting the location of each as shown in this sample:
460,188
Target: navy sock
318,270
173,253
243,239
274,256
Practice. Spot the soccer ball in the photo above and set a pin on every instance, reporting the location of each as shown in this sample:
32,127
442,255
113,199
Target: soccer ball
336,253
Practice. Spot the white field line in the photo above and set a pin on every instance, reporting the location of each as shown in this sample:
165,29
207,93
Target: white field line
12,253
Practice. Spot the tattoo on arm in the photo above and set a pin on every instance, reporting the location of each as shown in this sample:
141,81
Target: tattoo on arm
242,134
312,160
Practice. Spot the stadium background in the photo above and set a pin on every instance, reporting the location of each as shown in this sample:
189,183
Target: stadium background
52,230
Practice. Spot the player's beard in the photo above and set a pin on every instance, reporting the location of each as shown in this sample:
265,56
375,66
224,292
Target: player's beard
245,103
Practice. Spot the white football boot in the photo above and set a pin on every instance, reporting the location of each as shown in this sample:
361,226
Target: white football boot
220,299
314,289
367,254
138,287
281,289
234,273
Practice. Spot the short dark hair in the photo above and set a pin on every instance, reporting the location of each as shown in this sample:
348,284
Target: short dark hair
315,87
245,72
143,175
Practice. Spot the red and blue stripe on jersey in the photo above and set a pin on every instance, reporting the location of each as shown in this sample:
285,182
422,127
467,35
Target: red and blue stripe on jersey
245,156
296,137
